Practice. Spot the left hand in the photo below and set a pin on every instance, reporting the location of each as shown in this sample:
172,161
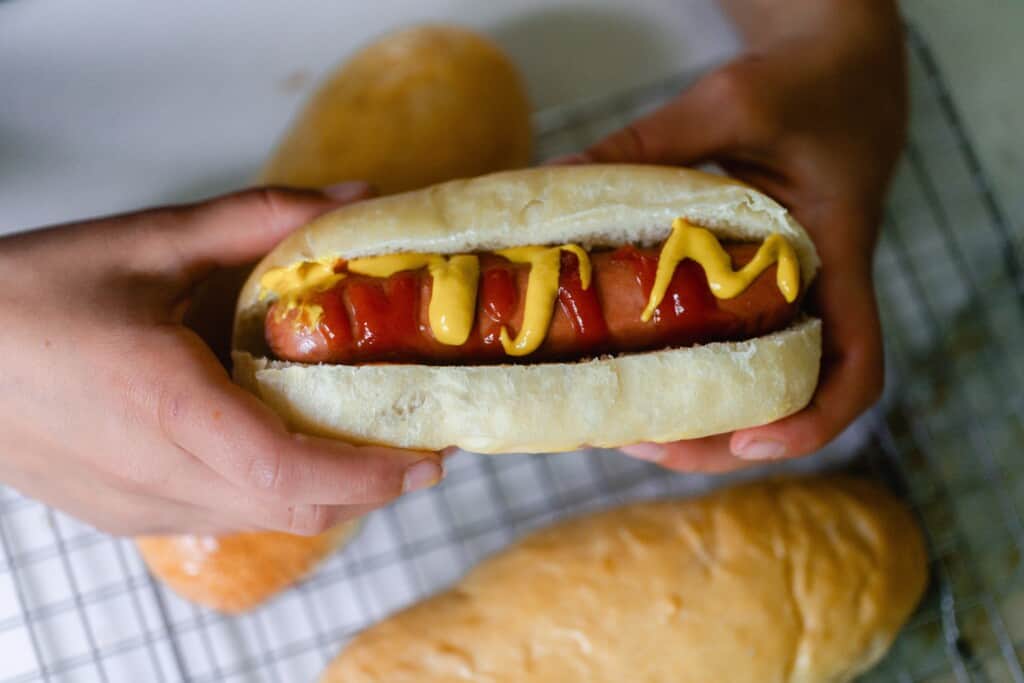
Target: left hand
816,121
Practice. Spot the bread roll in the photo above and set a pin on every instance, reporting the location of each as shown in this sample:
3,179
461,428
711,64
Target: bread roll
417,107
234,573
793,581
657,396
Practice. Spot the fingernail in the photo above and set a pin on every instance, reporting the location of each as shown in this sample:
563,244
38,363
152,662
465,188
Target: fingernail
651,452
348,190
566,159
761,450
422,475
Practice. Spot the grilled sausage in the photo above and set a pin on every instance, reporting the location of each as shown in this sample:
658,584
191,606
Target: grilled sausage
367,319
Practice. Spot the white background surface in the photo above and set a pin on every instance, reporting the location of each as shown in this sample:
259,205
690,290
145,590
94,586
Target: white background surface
113,105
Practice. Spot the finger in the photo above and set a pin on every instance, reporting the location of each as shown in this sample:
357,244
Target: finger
851,379
690,129
572,159
210,309
239,437
709,455
301,520
238,228
236,508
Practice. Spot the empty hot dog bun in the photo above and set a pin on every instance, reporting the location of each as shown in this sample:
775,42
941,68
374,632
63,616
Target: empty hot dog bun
520,406
416,107
791,581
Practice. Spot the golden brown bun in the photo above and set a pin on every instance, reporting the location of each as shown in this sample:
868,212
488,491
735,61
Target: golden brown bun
659,396
237,572
798,581
416,107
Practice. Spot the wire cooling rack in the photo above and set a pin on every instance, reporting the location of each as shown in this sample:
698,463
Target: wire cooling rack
77,605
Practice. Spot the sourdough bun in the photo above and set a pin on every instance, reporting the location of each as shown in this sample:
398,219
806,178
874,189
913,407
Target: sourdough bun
658,396
415,107
237,572
793,581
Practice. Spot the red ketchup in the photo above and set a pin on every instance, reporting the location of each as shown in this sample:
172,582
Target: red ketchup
335,325
689,311
581,306
498,300
385,312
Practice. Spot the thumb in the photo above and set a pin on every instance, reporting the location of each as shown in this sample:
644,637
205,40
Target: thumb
239,228
688,130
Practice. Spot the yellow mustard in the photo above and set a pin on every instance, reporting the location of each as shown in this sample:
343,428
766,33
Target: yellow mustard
294,283
452,306
541,290
701,245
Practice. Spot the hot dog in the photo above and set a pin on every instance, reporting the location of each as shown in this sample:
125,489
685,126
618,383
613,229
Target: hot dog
368,319
536,310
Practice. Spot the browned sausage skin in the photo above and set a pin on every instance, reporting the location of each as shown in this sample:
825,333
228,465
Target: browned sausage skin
367,319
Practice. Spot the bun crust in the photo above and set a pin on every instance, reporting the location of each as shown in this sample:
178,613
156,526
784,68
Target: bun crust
657,396
237,572
793,581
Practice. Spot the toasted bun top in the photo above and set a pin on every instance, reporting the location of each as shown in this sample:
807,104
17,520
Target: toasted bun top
592,205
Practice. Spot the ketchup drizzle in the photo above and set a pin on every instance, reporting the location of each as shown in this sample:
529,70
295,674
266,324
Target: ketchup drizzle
689,307
499,298
334,325
581,306
385,312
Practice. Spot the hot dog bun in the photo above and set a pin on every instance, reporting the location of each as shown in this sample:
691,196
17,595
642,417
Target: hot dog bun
234,573
799,581
416,107
657,396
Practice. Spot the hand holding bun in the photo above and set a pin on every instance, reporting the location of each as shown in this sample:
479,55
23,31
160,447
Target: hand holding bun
800,581
617,396
814,114
415,107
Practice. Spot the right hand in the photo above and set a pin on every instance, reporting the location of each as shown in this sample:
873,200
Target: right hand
814,114
113,410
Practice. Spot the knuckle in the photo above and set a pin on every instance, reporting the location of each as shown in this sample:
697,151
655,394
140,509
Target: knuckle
628,144
273,203
265,470
736,96
308,520
171,406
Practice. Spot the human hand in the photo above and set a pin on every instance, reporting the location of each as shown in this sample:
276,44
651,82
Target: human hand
113,410
814,116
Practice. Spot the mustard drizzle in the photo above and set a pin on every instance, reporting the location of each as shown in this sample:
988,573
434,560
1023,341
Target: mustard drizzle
452,307
701,245
541,290
294,283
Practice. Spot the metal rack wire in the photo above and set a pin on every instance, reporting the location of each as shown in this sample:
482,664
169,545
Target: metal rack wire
76,605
